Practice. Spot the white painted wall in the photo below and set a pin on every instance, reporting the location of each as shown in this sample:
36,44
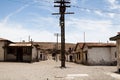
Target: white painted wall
113,51
100,55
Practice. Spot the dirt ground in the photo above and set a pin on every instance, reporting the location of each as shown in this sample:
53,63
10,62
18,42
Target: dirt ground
50,70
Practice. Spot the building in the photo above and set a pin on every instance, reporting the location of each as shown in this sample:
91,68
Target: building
99,53
78,53
3,48
69,55
95,53
30,51
117,39
20,52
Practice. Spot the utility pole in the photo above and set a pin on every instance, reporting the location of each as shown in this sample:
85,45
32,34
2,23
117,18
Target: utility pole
62,11
84,37
56,47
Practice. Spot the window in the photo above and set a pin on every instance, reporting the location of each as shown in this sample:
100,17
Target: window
26,50
11,50
79,56
115,55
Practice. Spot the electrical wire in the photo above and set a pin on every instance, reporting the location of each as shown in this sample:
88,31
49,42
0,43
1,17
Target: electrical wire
103,11
74,6
83,8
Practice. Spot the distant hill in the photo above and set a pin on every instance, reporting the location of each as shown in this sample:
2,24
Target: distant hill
51,45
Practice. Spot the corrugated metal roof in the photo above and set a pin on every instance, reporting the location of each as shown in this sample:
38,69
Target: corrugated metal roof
20,44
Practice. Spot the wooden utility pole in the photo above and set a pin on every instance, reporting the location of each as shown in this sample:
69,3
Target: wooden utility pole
56,46
62,11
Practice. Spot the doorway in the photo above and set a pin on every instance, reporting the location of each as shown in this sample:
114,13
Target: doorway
19,55
71,58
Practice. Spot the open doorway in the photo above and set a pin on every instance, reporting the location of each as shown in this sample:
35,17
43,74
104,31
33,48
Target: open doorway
71,58
19,55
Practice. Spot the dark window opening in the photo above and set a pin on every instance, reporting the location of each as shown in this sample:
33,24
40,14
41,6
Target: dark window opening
115,55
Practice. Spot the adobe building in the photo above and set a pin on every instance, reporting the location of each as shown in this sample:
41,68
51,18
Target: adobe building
20,52
117,39
99,54
3,48
95,53
79,53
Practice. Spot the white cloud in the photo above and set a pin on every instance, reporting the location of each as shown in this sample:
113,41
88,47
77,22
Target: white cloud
112,15
114,4
88,10
73,2
99,13
96,30
45,4
14,13
83,1
16,32
89,24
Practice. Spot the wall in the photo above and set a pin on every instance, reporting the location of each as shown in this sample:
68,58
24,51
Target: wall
34,53
42,55
10,57
70,58
26,58
99,56
78,55
118,54
113,55
85,55
2,50
79,58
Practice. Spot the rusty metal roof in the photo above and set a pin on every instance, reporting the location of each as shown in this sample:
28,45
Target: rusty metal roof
80,45
100,44
93,44
20,45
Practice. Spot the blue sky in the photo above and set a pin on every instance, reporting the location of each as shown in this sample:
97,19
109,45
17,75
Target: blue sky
98,19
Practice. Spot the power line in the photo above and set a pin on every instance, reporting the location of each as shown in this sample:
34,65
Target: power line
102,23
103,11
74,6
32,3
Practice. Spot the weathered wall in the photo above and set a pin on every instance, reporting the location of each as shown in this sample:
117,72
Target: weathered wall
118,54
2,50
10,57
79,59
100,55
113,55
26,58
34,54
78,55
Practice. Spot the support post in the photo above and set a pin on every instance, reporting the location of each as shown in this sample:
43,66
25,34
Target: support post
62,9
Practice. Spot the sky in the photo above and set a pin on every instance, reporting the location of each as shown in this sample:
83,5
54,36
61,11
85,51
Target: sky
92,21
